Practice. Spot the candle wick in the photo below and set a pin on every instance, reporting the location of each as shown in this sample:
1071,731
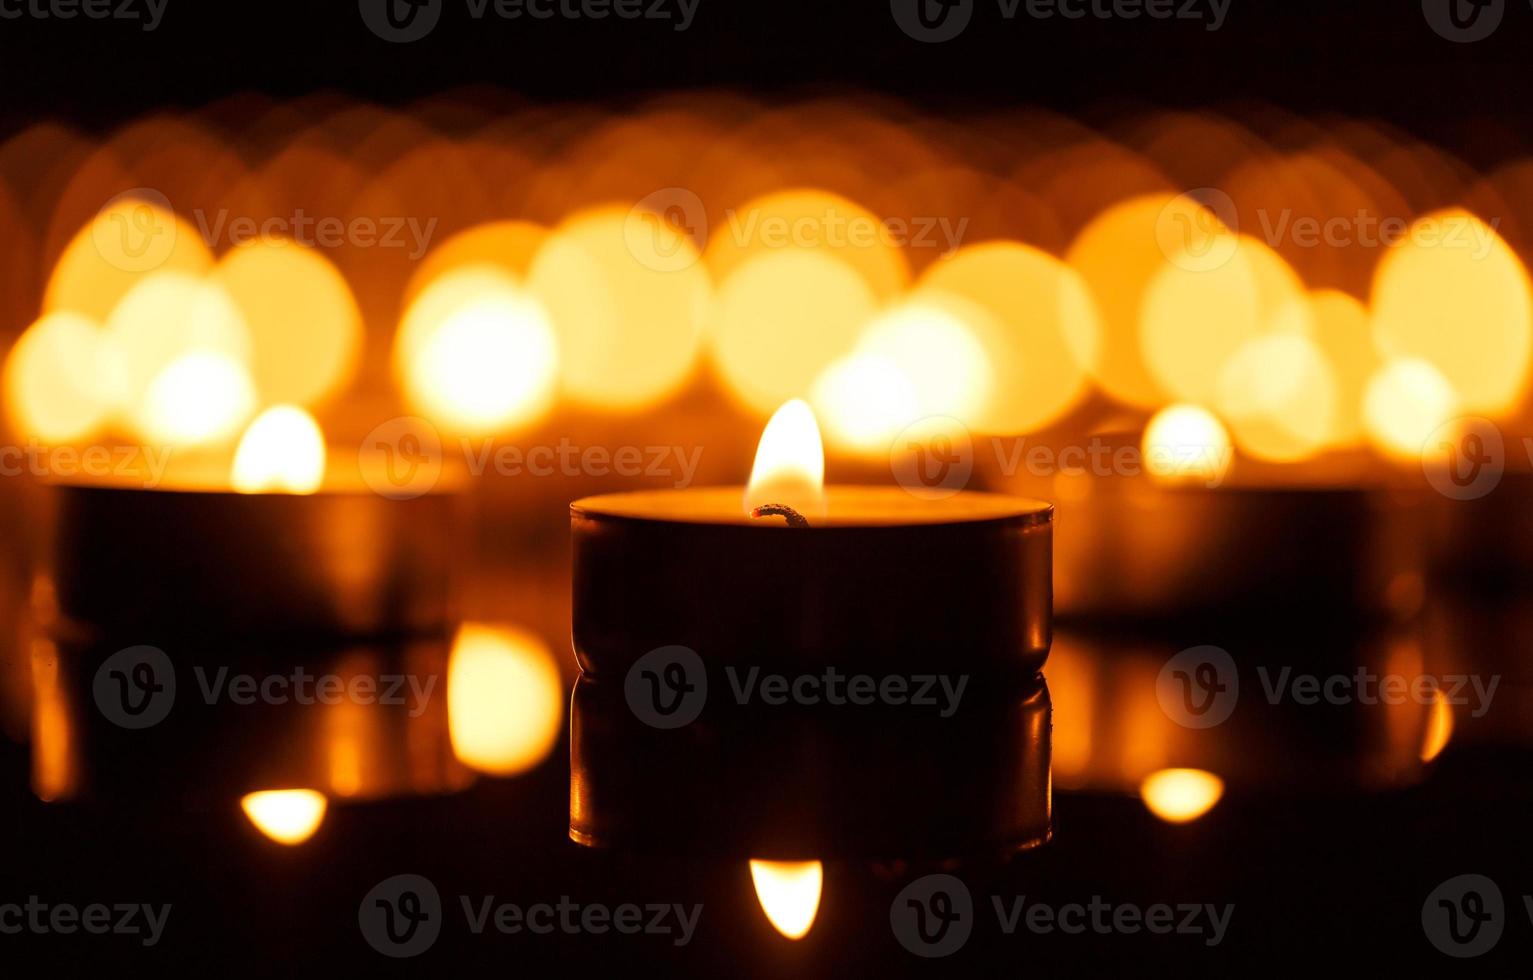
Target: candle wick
794,518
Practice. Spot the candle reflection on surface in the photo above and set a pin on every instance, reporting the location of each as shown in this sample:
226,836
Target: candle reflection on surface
789,892
505,699
1181,795
287,816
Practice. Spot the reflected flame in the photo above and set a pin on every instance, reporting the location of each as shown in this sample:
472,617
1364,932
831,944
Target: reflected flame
505,699
283,450
789,892
790,462
1181,795
287,816
1439,728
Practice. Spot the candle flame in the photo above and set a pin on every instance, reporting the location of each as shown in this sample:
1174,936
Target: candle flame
790,463
287,816
789,892
1181,795
1184,443
1439,728
283,450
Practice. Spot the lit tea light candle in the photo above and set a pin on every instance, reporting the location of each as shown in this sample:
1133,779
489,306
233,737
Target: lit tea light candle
806,575
286,562
790,576
288,539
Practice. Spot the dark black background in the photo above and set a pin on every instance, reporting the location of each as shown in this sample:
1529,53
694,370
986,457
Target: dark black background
1374,58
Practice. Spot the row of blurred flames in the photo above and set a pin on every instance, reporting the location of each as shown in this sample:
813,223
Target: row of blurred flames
480,264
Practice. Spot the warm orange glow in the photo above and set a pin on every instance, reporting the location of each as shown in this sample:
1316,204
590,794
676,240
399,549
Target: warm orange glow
305,328
477,353
54,769
1197,317
917,361
1407,401
1455,295
1039,329
781,319
1185,442
287,816
164,318
789,892
629,315
1181,795
790,463
1439,728
808,220
283,450
1344,333
866,400
1279,393
199,399
131,238
56,383
505,699
511,245
1118,254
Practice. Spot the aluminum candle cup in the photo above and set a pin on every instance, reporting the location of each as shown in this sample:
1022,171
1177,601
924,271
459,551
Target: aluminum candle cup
884,583
339,562
162,608
880,586
876,782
